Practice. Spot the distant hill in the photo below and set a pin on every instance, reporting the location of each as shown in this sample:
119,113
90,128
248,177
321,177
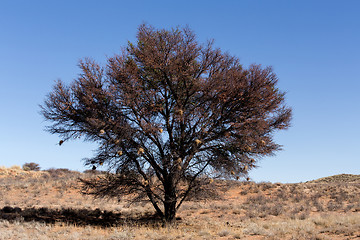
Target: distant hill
340,178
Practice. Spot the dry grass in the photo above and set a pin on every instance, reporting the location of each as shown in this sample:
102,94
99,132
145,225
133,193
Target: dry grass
313,210
345,178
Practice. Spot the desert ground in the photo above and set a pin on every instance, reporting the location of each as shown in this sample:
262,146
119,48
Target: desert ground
48,205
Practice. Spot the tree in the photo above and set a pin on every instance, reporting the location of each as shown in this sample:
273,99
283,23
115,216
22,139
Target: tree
169,114
31,166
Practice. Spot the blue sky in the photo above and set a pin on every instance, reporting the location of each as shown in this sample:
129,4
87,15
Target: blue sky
313,47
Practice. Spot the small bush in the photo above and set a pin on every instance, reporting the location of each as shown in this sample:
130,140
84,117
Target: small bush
31,167
223,233
257,199
62,172
334,206
94,172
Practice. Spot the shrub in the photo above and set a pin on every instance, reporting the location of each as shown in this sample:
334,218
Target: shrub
31,167
223,233
62,172
94,172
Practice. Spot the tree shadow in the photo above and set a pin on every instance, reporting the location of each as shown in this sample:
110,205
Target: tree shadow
79,217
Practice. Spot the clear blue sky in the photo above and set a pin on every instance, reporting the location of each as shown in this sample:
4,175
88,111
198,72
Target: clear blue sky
313,46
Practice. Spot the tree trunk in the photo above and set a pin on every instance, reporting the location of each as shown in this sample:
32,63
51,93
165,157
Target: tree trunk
170,202
170,211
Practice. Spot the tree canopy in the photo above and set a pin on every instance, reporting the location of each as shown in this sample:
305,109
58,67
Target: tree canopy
169,113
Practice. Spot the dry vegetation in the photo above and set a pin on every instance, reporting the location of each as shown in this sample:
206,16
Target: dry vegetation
48,205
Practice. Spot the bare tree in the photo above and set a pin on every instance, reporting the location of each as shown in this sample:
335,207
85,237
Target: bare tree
167,113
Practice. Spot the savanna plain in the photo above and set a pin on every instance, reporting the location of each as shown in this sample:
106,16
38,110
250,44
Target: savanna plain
48,205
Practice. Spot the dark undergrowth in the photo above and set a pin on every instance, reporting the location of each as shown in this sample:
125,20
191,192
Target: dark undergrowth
79,217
